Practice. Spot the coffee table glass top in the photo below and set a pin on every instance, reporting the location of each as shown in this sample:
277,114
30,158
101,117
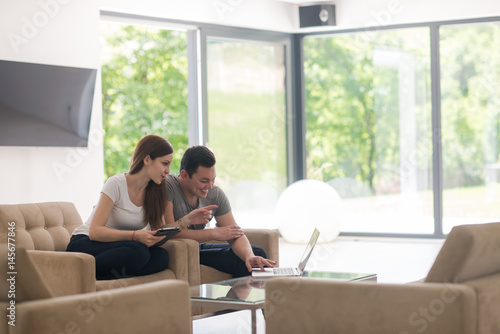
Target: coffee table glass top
337,276
242,290
250,290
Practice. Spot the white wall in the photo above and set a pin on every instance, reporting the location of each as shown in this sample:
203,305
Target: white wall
258,14
364,13
56,32
283,16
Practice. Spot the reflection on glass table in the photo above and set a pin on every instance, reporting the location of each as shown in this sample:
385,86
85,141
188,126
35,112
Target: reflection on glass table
251,290
244,289
248,293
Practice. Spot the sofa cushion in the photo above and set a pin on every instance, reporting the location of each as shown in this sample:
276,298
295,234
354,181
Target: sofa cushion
469,252
40,226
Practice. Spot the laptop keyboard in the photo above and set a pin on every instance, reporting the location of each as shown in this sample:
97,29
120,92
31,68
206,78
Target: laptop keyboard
283,271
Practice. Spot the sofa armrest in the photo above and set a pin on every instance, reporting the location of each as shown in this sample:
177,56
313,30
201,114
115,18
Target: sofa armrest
65,273
178,258
299,305
192,249
158,307
267,239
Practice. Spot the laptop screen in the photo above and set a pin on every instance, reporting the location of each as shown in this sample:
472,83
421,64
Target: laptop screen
309,249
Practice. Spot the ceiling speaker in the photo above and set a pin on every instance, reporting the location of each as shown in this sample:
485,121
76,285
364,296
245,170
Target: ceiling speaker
317,15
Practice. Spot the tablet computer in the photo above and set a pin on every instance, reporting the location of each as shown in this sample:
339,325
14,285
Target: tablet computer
168,232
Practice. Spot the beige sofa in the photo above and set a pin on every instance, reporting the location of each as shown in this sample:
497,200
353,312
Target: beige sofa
55,292
460,295
48,227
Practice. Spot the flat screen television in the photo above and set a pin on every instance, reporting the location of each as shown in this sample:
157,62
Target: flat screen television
45,105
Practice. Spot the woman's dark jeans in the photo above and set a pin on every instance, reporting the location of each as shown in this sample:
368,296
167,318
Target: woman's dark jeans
120,259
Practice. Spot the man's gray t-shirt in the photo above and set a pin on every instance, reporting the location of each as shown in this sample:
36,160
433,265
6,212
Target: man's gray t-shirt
181,206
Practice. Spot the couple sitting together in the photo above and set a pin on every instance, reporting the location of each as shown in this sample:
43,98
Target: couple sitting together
120,232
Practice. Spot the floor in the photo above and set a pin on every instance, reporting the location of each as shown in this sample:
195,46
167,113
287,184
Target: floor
393,260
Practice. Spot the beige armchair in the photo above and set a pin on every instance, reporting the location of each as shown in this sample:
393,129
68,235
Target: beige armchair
55,292
48,227
460,295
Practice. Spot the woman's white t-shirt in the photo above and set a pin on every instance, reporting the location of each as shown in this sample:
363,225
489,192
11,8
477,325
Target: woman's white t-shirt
125,215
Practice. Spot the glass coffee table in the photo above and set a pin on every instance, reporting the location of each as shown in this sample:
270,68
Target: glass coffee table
248,293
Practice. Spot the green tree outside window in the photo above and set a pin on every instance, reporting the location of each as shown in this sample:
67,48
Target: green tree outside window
144,91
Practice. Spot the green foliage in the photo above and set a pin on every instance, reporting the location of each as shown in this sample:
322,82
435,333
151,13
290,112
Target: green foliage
354,127
355,124
144,91
352,105
248,137
247,112
470,72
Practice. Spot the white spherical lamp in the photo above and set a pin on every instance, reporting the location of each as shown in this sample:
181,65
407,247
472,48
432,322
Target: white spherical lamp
307,204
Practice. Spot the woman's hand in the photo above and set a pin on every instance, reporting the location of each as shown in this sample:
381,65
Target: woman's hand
146,237
199,216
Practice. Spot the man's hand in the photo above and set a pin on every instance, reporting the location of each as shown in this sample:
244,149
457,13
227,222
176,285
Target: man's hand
199,216
226,233
258,261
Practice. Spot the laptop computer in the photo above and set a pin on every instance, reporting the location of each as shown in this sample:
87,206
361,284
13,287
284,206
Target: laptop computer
292,271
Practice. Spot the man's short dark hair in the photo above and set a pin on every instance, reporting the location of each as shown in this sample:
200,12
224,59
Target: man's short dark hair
197,156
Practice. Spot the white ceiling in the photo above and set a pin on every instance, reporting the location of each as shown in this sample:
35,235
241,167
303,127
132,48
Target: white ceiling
305,2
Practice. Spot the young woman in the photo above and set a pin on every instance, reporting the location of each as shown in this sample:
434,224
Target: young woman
121,229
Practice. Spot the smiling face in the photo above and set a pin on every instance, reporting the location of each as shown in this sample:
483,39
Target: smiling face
199,183
159,168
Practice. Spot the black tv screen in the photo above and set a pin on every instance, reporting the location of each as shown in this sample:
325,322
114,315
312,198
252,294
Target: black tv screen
45,105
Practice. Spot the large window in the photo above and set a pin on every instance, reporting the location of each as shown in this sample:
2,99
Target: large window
144,90
368,127
403,122
247,125
470,108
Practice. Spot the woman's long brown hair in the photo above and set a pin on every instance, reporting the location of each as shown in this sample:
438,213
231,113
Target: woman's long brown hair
155,200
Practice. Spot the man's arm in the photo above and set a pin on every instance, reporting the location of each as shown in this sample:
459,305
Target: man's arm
209,234
241,246
219,234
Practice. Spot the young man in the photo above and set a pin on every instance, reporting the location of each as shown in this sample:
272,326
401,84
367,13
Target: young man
194,188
